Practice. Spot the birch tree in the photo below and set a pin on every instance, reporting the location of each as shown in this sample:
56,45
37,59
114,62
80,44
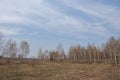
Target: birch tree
40,53
61,52
1,43
24,47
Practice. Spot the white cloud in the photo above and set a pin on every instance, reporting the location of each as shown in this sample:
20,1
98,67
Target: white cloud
10,31
10,19
47,17
107,13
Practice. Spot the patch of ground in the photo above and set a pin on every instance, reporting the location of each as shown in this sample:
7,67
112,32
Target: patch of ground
59,71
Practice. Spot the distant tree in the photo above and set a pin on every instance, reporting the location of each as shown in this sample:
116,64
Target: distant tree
43,55
46,55
71,53
82,55
119,50
10,49
74,53
94,51
89,53
24,48
112,50
61,52
6,50
54,55
106,57
20,55
40,53
98,54
13,50
1,43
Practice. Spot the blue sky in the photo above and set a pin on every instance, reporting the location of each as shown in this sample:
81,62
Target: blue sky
46,23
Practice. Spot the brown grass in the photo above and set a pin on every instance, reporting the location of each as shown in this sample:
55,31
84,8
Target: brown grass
59,71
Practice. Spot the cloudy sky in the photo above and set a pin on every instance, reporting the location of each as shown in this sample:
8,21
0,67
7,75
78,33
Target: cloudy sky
46,23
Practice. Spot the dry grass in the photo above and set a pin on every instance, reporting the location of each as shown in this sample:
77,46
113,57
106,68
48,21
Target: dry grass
59,71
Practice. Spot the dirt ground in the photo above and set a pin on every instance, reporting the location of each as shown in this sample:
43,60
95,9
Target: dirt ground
59,71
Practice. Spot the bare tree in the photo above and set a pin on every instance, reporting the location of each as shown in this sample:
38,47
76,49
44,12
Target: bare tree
6,50
10,49
71,53
118,51
89,52
24,48
112,50
1,43
40,53
13,50
53,56
75,54
61,52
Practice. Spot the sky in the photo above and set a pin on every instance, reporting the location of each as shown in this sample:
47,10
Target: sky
47,23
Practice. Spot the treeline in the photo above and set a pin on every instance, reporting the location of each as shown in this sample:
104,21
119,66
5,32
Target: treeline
10,49
107,53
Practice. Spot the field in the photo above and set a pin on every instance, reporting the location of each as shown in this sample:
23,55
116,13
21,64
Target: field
59,71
